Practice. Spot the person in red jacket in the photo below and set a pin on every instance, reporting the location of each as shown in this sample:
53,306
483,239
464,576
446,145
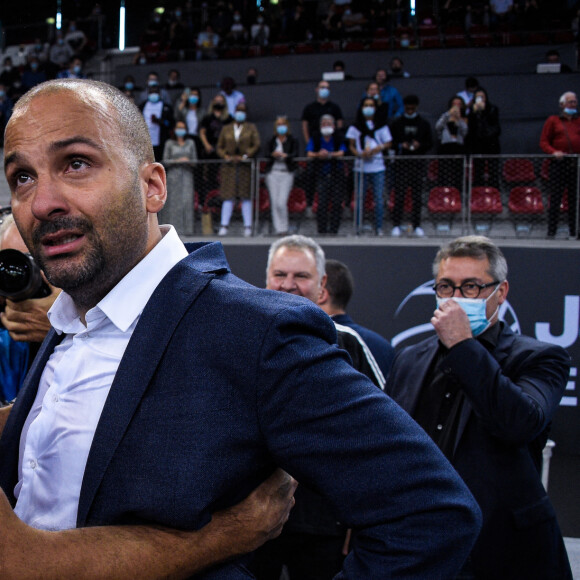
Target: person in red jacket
561,139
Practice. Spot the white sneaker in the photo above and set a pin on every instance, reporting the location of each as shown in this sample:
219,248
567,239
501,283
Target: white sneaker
396,232
247,232
380,232
419,233
223,231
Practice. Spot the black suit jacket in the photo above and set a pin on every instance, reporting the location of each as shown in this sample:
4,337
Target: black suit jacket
512,394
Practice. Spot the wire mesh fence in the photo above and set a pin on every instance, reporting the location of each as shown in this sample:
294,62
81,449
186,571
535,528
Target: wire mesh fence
434,196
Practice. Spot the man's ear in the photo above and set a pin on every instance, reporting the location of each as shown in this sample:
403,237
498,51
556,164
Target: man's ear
323,296
155,182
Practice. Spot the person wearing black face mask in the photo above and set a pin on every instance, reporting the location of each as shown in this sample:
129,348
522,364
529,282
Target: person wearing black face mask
411,138
209,132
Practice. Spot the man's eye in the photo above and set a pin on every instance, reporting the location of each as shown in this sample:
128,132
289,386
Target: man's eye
469,286
77,164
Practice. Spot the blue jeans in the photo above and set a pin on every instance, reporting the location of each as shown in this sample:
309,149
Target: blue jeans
361,184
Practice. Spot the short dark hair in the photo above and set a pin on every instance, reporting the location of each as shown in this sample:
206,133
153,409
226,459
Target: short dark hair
477,247
339,283
471,82
411,100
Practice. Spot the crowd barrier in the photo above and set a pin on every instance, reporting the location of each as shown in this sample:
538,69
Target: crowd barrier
436,196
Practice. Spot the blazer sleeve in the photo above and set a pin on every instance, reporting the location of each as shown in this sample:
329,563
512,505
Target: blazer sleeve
516,399
413,515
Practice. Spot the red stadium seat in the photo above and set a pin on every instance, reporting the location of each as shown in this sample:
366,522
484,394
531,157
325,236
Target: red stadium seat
297,205
443,204
485,200
518,170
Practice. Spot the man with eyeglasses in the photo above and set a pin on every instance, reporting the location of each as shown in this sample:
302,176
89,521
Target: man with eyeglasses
487,396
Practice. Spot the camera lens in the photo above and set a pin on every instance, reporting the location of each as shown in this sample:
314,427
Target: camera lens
20,277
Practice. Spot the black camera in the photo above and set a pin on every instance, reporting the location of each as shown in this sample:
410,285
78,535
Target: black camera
20,277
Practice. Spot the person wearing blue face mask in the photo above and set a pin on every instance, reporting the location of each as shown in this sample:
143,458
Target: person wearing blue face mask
280,168
179,157
159,118
237,144
311,117
487,397
561,139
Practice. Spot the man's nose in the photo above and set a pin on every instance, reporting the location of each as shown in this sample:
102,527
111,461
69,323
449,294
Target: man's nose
48,199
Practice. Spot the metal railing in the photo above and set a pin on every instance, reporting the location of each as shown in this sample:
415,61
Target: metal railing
437,196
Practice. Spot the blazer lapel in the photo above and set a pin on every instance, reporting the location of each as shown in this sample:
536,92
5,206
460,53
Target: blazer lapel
176,293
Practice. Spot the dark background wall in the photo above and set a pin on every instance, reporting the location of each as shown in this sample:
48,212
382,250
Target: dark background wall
386,276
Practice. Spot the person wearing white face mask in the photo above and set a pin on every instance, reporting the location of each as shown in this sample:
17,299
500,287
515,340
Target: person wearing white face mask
487,396
238,143
311,118
561,139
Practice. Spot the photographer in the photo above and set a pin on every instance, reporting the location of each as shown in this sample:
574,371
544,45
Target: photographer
24,323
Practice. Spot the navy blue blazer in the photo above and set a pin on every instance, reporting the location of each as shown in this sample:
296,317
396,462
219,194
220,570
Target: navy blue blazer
512,394
220,383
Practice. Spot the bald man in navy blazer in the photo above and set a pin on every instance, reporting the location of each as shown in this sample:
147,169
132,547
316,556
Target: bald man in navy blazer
219,382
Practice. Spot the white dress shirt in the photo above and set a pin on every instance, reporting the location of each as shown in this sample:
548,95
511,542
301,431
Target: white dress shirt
58,433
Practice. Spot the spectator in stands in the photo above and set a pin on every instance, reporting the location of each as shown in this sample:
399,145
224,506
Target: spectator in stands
39,50
411,138
33,74
179,154
382,109
174,80
74,70
252,75
323,149
451,129
238,144
232,96
208,43
237,34
483,139
159,118
501,11
10,74
354,22
60,54
76,40
153,81
209,132
6,105
471,85
282,152
397,69
561,139
312,113
222,20
260,32
140,58
156,31
553,57
129,84
334,299
297,29
189,110
179,35
368,140
340,66
390,96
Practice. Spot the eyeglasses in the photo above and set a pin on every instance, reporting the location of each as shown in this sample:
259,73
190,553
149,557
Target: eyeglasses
467,289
